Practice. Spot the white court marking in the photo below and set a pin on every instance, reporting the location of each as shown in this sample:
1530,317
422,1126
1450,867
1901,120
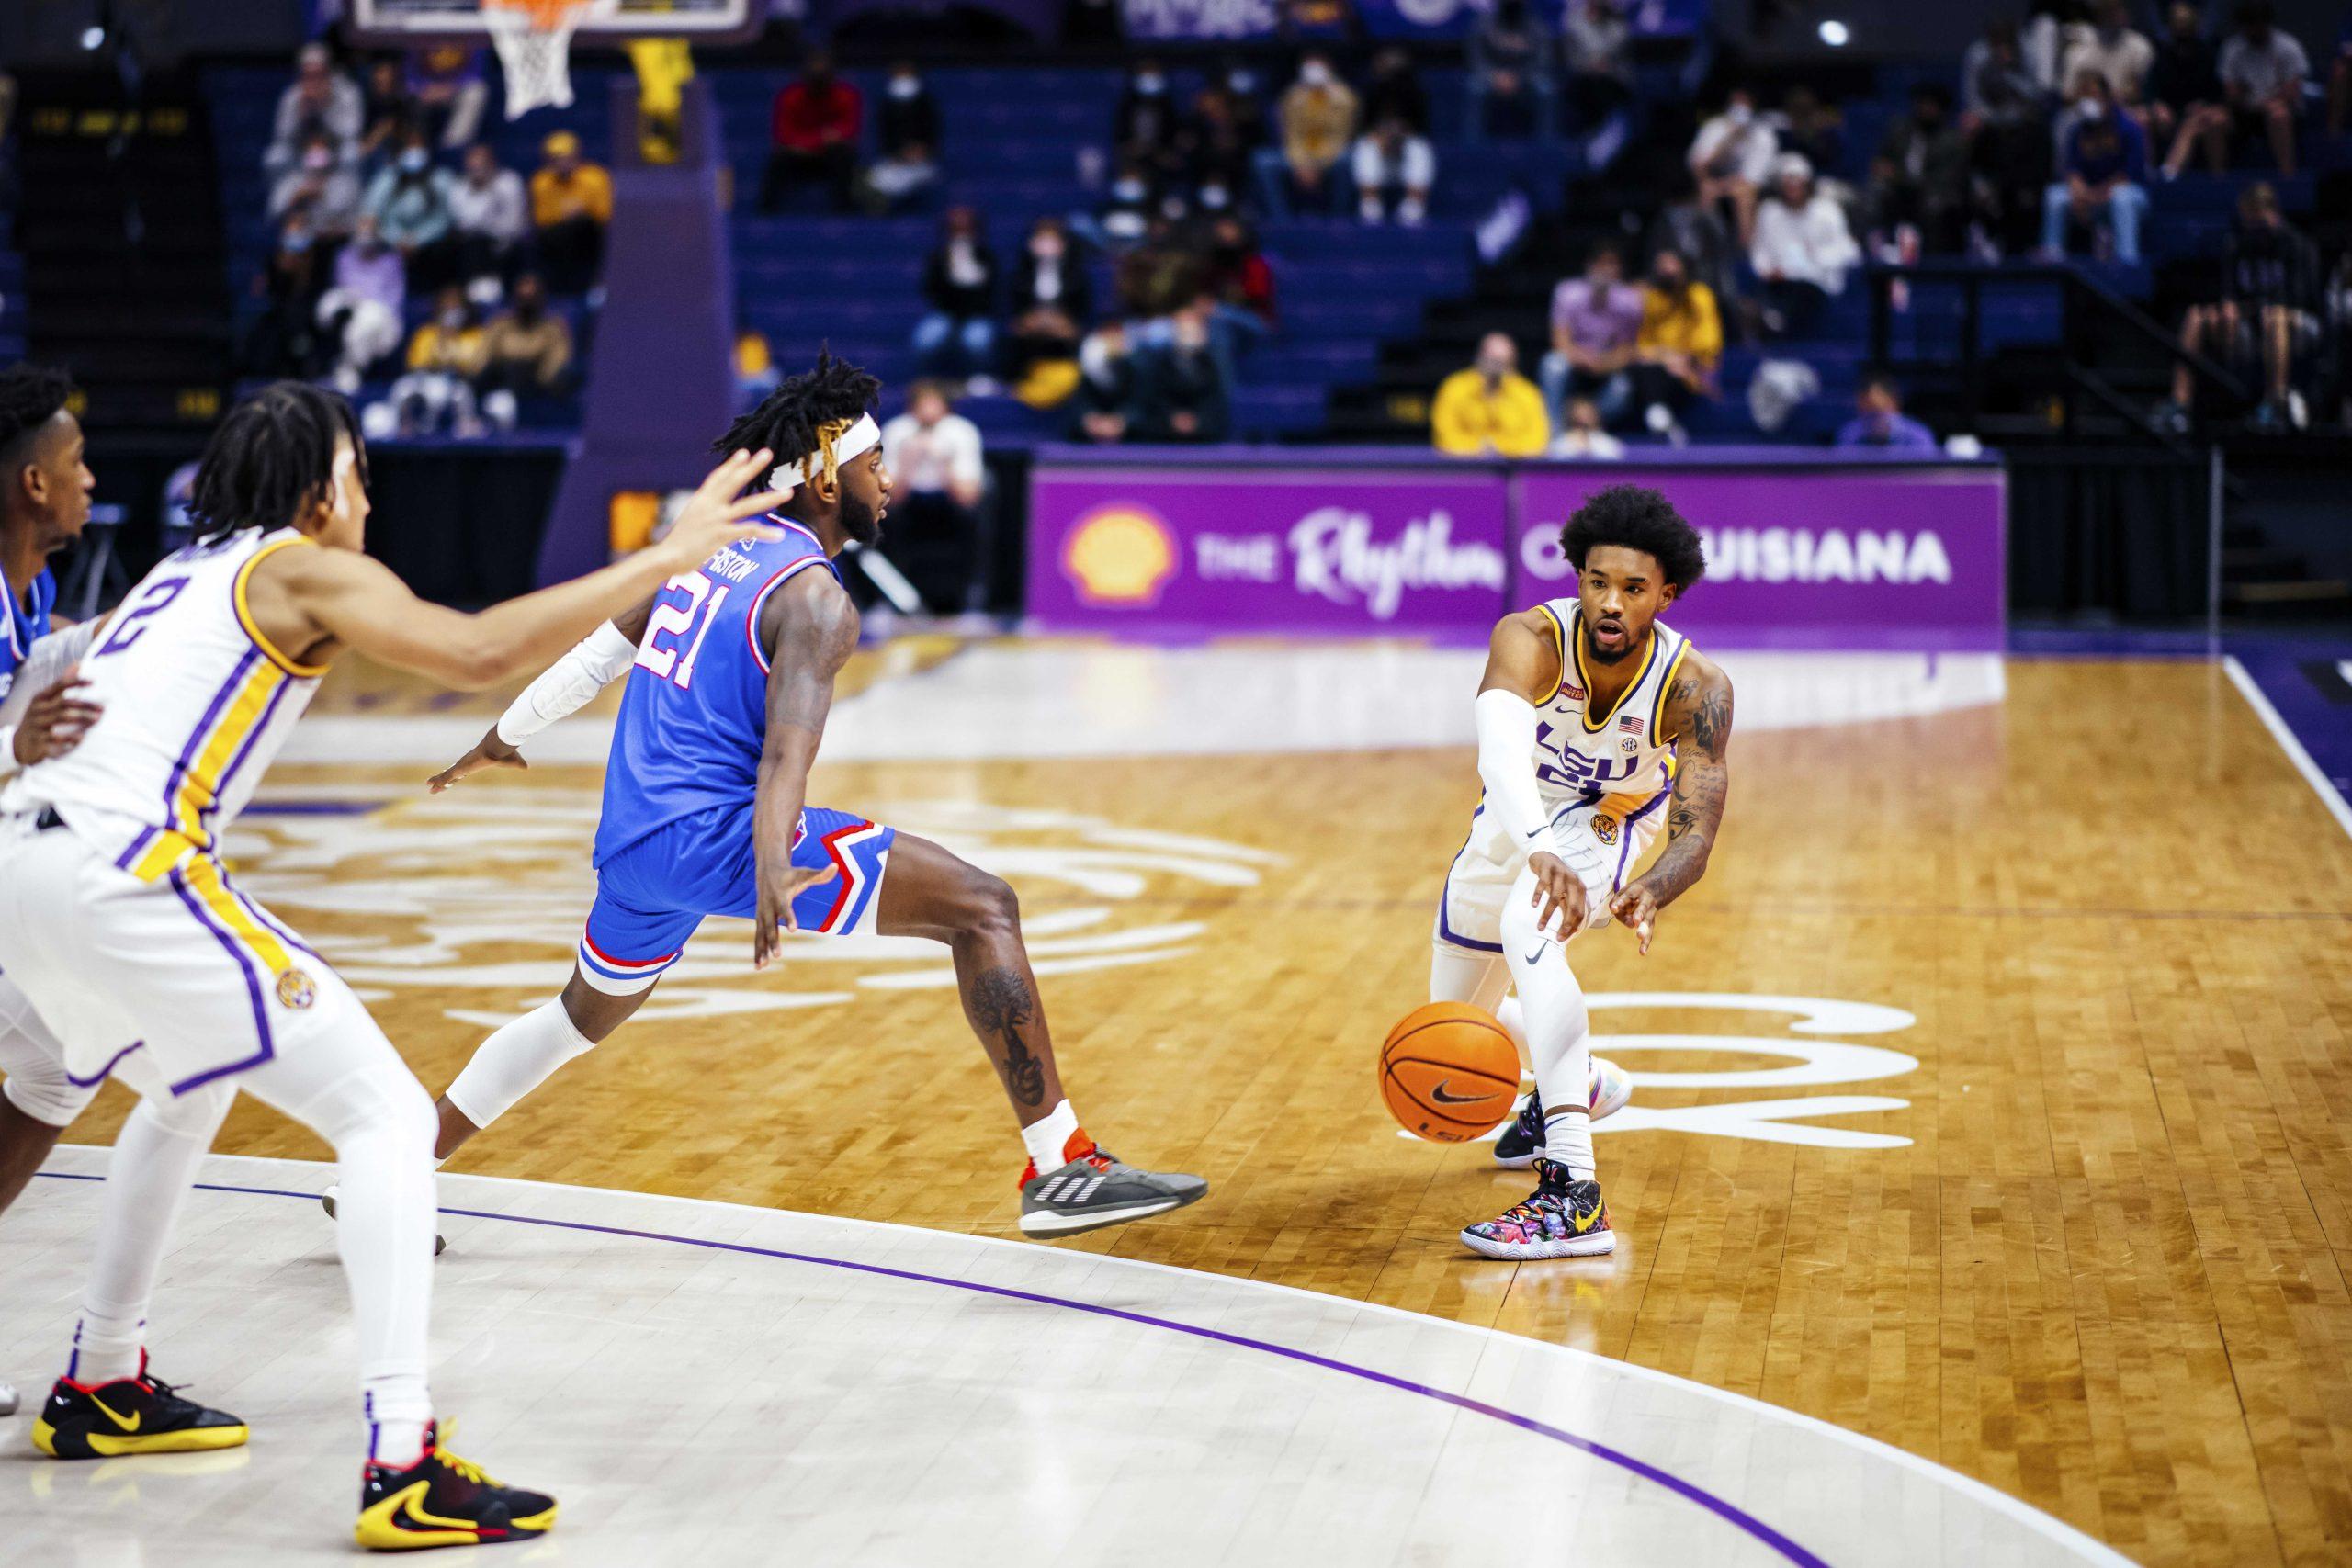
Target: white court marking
706,1383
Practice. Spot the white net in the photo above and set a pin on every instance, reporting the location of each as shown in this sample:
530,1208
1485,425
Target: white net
534,43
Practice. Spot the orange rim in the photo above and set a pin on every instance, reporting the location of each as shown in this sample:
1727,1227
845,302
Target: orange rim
546,14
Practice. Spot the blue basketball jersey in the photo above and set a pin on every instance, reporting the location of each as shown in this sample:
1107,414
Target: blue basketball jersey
26,627
694,713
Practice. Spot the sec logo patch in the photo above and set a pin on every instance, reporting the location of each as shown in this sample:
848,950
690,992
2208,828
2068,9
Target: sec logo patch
295,989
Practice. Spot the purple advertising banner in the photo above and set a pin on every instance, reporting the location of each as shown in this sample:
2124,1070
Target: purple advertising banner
1866,556
1182,550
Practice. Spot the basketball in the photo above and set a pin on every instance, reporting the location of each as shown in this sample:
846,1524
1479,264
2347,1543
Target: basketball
1449,1072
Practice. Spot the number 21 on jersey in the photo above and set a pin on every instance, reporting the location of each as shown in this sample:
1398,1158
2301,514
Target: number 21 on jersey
674,635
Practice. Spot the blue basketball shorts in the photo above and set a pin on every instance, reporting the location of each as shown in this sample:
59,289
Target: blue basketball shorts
651,895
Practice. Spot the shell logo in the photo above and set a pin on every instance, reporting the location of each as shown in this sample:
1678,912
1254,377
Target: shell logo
1119,555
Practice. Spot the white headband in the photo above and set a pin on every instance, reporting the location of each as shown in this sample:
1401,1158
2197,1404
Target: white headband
856,442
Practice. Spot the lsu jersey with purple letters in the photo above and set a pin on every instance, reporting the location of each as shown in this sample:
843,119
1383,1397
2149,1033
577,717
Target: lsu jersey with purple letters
694,713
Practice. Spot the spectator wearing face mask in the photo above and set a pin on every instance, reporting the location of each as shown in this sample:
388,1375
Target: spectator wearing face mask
360,313
1678,345
322,188
938,487
1126,209
1052,300
1105,402
526,351
447,83
571,201
410,202
2114,49
1595,320
1395,92
1804,250
1394,171
1880,424
907,134
1489,409
813,133
445,355
1593,39
1184,390
488,212
1512,86
1732,160
2106,162
1582,435
957,335
1221,150
1147,125
319,98
1319,116
282,340
2262,72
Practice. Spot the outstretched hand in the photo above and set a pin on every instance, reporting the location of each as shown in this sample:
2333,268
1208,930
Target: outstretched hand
713,518
489,752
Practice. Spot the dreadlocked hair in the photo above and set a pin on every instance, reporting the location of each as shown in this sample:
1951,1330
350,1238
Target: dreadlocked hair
272,460
801,420
31,396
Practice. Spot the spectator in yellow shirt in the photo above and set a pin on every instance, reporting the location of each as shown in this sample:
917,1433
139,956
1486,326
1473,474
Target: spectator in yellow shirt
1490,410
1319,121
444,357
571,201
1678,345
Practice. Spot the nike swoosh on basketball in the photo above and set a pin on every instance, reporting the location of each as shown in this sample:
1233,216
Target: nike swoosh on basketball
1442,1098
128,1423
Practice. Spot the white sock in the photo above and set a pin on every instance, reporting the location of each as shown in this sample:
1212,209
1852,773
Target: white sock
515,1060
148,1176
1048,1138
398,1409
1559,1036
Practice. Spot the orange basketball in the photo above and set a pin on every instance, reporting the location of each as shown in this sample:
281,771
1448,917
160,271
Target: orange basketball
1449,1072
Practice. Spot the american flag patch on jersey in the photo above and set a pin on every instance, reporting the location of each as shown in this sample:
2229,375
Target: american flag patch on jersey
1630,724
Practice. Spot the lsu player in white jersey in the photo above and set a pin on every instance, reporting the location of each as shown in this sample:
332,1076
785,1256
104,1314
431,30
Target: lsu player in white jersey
122,925
1596,722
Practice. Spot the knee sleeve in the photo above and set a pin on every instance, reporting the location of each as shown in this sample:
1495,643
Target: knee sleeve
517,1060
42,1091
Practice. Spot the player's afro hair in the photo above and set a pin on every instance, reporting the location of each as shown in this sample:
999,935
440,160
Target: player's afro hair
272,460
1638,519
789,419
31,396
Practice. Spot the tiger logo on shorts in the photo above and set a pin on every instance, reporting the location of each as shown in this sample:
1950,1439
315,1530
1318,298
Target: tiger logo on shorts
295,989
1604,828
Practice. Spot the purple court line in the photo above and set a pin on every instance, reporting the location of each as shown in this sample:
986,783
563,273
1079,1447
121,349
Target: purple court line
1728,1511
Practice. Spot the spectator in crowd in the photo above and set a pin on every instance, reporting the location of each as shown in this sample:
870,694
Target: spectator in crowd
907,135
1489,409
1159,275
1732,159
1804,250
387,108
1183,391
1694,230
1236,274
283,339
1879,420
1147,124
360,314
409,198
447,84
1919,180
2262,72
1052,300
319,98
1679,344
1595,320
814,132
1394,170
2185,108
1319,118
488,214
1582,433
1512,88
957,334
322,188
2269,308
1222,147
445,355
1105,398
2116,50
1245,93
1593,38
526,353
1127,210
1395,92
2105,164
571,201
1812,130
2005,117
937,485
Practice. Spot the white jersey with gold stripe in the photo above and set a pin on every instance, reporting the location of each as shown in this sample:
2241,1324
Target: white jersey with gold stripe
197,702
1582,755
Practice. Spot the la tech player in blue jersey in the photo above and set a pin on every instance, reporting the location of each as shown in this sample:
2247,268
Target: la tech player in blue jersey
730,677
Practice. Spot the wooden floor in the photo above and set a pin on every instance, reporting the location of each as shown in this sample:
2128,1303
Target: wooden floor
2105,1271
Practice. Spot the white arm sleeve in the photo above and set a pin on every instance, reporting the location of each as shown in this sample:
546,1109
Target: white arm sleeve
1507,767
44,663
599,660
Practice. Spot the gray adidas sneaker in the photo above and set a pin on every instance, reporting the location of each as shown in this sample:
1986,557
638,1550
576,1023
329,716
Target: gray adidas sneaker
1095,1190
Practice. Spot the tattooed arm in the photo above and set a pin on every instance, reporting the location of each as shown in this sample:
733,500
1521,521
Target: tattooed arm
1698,720
810,628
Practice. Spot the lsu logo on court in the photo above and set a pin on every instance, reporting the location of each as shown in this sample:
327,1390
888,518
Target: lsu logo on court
1119,555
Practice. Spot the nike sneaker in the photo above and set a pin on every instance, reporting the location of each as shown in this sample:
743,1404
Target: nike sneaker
326,1201
1094,1189
1523,1139
441,1500
1563,1218
130,1415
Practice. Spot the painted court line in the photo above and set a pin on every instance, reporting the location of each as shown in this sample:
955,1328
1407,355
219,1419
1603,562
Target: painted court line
2252,692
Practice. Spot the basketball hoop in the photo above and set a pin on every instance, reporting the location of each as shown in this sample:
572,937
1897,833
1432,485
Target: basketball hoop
534,42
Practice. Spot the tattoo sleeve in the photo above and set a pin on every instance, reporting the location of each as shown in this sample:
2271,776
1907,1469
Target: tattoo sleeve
1697,710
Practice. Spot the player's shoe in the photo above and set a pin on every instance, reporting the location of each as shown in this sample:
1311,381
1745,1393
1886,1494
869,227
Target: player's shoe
326,1201
1094,1189
7,1399
1562,1218
1523,1139
443,1501
130,1415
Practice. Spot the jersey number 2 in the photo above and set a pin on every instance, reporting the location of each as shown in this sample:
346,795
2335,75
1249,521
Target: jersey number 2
670,622
130,621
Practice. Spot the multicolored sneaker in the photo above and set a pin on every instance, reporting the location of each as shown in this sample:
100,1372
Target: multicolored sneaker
130,1415
443,1501
1523,1139
1094,1189
1563,1218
